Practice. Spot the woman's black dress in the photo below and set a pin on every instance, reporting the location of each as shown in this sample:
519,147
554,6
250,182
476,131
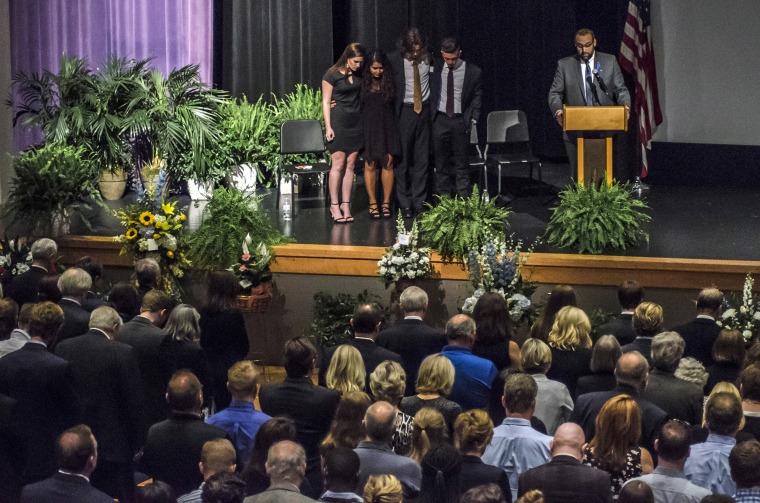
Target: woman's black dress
380,134
345,117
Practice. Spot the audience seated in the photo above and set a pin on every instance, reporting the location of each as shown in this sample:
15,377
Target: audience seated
347,429
430,430
346,371
516,446
434,382
604,356
744,461
74,284
553,402
630,295
340,470
647,322
411,338
701,333
559,297
388,382
217,456
441,472
25,286
570,343
20,334
728,355
473,431
383,489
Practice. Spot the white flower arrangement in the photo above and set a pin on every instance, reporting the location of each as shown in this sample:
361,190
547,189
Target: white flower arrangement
746,318
404,260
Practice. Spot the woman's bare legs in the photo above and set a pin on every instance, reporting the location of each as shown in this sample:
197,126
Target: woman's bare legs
335,178
346,185
386,176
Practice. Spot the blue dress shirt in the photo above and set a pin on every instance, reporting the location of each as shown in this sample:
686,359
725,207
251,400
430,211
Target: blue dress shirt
707,465
473,378
241,421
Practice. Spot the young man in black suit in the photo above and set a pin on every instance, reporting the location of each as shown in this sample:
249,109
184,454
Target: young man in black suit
630,294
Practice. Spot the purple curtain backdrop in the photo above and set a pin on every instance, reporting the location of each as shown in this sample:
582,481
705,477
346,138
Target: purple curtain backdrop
173,32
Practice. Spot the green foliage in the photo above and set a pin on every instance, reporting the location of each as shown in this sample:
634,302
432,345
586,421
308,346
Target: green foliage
50,180
593,218
331,325
456,224
228,216
598,317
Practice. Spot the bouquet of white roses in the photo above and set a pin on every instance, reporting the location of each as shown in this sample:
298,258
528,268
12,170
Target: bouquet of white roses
745,318
404,259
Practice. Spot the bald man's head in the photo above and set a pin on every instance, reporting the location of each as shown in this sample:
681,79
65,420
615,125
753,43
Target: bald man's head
380,421
568,440
632,369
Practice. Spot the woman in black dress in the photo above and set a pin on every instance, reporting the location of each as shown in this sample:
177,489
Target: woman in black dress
381,140
343,127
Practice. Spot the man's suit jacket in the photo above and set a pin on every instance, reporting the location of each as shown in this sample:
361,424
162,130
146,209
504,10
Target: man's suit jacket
643,345
568,86
621,327
279,493
699,335
63,488
413,340
475,472
24,287
311,408
372,356
678,398
76,320
173,450
472,92
587,407
46,405
107,377
157,363
564,478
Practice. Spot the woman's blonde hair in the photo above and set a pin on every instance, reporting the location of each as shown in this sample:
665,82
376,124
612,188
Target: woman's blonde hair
722,387
346,370
383,489
571,329
473,430
429,429
436,375
618,428
536,356
388,382
647,319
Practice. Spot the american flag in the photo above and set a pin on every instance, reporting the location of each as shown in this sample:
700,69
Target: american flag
637,58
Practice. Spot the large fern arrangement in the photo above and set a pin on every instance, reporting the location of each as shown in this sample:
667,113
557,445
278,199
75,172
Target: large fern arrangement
331,316
597,217
456,224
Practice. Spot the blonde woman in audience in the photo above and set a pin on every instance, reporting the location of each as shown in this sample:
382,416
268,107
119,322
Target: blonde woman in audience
570,343
383,489
615,446
534,496
346,370
647,322
553,402
434,381
347,429
429,429
473,431
388,384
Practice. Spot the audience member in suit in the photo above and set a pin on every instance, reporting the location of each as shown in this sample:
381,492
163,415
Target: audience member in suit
570,341
744,461
564,478
366,324
148,273
630,294
376,456
95,269
553,402
749,388
173,447
20,334
25,286
124,298
42,385
74,284
311,407
474,376
632,373
241,420
473,431
728,355
183,330
77,453
647,322
340,468
411,338
223,333
286,467
604,356
678,398
700,333
153,350
559,297
8,317
217,456
107,376
516,447
668,481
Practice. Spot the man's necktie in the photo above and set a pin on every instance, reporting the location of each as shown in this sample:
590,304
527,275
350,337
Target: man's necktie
589,85
417,88
450,94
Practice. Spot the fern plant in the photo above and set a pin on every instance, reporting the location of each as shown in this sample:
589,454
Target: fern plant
331,323
456,224
597,217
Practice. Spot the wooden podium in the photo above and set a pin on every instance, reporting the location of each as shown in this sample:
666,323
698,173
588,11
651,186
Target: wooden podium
595,127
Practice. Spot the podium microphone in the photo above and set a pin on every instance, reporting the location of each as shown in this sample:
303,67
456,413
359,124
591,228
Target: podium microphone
599,79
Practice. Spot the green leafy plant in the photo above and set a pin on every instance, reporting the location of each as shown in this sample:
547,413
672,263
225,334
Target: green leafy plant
53,179
227,218
331,325
597,217
599,317
454,225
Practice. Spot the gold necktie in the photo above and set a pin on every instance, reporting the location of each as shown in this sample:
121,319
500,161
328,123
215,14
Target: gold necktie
417,88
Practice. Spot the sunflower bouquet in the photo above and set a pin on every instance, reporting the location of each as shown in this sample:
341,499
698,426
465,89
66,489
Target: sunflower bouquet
155,228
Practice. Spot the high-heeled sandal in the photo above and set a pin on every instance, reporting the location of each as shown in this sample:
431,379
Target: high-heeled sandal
347,219
374,211
386,210
340,220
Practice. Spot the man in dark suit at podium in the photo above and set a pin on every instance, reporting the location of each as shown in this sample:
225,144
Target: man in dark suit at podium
588,78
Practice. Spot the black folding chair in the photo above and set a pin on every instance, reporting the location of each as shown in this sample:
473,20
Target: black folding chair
508,129
303,136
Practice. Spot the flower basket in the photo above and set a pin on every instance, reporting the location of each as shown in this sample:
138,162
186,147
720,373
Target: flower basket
258,301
